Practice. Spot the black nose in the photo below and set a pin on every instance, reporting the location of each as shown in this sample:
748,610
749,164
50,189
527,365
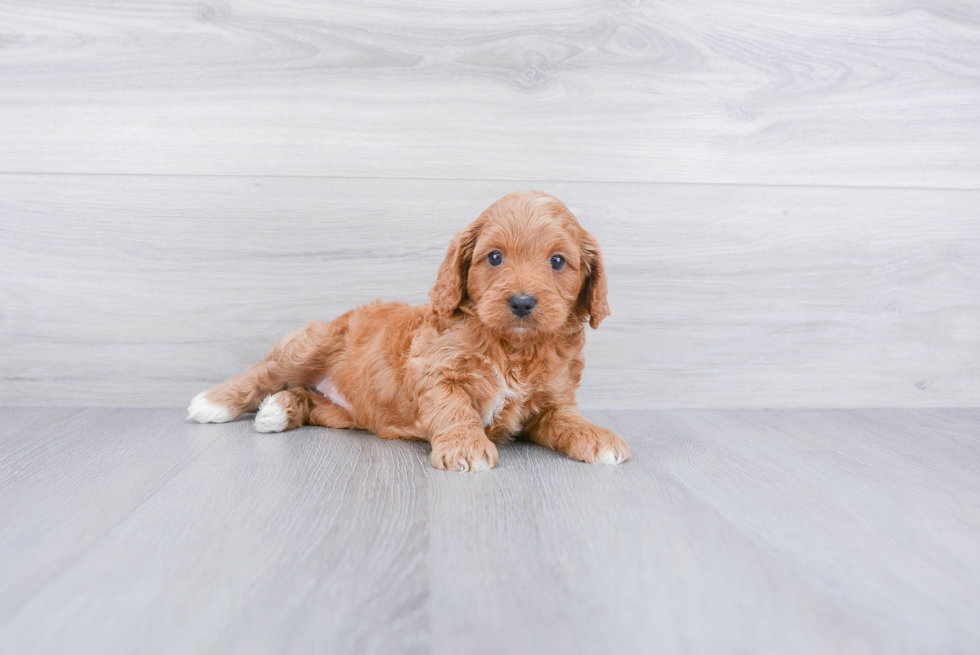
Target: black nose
522,304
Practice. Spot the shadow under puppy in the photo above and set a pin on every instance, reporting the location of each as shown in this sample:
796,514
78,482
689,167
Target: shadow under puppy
498,352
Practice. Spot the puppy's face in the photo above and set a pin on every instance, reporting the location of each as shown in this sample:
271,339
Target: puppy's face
525,267
526,272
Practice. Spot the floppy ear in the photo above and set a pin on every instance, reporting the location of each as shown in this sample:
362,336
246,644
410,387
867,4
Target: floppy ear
449,290
592,298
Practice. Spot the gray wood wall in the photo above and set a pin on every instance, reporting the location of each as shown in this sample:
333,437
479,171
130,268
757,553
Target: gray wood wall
788,196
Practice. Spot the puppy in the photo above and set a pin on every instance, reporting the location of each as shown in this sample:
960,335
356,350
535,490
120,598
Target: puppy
497,354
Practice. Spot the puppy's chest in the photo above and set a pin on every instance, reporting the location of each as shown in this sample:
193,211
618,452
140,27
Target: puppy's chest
506,402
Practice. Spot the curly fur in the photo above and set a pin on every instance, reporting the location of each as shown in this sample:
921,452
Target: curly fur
463,372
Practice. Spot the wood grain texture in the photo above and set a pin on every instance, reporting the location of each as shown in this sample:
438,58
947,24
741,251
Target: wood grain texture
729,531
136,290
310,541
67,477
871,93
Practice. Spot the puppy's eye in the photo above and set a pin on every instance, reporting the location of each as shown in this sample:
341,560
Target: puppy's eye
495,258
557,262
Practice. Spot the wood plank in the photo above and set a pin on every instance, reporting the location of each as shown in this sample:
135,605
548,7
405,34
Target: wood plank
878,509
764,531
68,477
23,425
307,541
872,93
769,531
130,290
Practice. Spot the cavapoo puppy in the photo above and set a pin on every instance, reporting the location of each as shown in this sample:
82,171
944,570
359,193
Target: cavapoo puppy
497,354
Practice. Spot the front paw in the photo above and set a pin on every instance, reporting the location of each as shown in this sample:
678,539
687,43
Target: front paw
598,445
464,453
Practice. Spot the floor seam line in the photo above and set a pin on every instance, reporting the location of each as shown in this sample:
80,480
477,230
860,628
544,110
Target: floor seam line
123,519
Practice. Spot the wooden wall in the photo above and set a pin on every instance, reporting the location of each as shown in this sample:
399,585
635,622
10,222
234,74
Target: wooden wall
787,196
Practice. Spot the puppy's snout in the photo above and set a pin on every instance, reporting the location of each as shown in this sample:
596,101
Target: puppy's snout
522,304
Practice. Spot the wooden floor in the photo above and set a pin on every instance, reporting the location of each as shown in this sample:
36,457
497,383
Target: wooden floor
763,531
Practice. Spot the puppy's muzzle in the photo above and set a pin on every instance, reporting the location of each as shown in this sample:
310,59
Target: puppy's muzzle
522,304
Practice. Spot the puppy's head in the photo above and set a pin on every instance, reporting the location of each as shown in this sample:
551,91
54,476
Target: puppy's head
525,267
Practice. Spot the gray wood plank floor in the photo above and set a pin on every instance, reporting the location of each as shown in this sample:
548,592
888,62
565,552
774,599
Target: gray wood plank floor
764,531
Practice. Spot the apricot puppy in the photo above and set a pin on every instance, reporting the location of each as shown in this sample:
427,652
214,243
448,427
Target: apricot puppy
497,354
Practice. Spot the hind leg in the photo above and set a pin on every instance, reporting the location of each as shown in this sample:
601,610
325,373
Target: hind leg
293,361
295,407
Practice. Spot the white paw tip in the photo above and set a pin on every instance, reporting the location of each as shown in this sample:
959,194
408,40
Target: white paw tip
272,416
203,410
610,456
481,465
